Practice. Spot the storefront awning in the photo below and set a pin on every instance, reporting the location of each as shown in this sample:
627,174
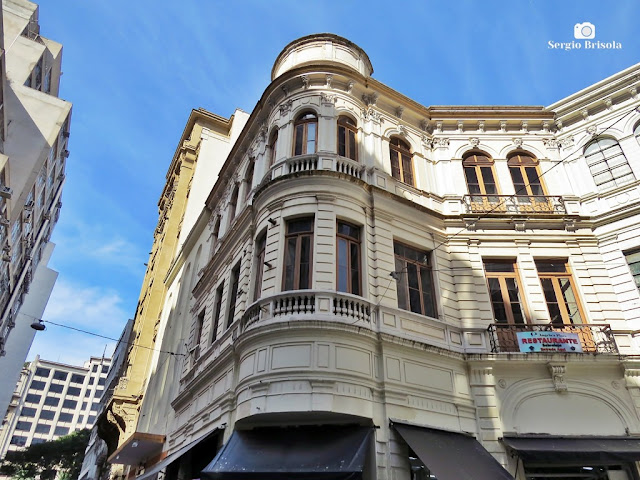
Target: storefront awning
169,459
318,452
137,448
451,456
597,450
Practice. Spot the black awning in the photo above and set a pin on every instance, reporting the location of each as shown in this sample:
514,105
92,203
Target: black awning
452,456
596,450
318,452
169,459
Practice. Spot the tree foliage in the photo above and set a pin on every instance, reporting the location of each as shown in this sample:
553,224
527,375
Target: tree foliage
63,455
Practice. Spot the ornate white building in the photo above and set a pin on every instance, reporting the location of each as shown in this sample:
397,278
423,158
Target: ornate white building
379,289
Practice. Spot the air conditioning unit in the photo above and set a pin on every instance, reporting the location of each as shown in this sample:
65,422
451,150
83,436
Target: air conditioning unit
5,191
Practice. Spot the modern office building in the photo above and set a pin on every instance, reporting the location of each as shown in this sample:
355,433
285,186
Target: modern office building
34,136
374,288
52,400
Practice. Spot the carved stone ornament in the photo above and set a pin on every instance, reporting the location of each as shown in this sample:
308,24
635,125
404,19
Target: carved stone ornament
592,130
285,90
402,130
285,108
481,126
305,81
502,383
567,142
474,141
503,125
551,143
424,125
517,142
633,91
399,111
585,113
525,126
545,126
558,372
460,126
328,80
350,86
441,142
608,103
559,124
263,132
328,99
370,99
371,114
439,126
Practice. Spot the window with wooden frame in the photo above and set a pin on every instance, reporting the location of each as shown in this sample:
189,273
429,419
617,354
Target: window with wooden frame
504,290
233,296
348,268
401,160
525,173
248,176
216,312
480,177
305,134
261,246
273,146
233,203
347,134
607,163
414,280
559,292
633,259
298,254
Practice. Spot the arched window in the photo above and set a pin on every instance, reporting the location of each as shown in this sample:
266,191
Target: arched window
401,160
608,165
248,176
305,134
478,171
233,203
216,229
347,130
525,174
273,144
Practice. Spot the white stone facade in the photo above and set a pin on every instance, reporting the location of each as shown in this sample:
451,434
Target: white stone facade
257,352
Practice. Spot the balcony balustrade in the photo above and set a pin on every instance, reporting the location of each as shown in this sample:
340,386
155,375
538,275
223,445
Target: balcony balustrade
594,338
515,204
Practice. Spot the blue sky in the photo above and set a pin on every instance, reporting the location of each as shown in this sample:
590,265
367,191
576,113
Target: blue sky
134,70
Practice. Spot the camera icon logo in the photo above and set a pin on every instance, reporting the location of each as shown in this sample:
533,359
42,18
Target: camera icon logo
585,30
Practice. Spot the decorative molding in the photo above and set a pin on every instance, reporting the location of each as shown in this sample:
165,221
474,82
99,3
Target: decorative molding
402,130
520,224
328,99
262,133
474,141
370,99
440,142
592,130
482,376
567,142
608,102
585,113
371,114
570,225
546,127
517,142
524,126
633,91
558,371
551,143
285,90
502,383
439,126
424,125
503,125
285,108
305,81
399,111
559,124
481,126
328,80
350,86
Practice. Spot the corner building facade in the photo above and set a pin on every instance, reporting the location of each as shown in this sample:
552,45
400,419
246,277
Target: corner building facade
385,290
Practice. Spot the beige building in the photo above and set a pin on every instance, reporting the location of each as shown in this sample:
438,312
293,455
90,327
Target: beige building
378,289
52,400
34,136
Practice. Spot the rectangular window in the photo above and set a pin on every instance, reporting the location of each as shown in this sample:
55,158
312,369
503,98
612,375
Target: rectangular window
60,375
197,334
37,385
61,431
74,391
56,388
23,426
94,369
633,259
298,254
101,381
28,412
414,280
18,440
32,398
105,368
348,259
261,245
47,414
233,297
95,406
504,290
75,378
65,417
91,419
216,312
69,404
559,293
52,401
42,428
43,372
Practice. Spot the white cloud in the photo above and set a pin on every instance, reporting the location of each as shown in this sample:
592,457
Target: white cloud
86,308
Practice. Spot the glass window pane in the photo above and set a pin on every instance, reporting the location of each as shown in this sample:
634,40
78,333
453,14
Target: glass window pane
299,132
401,284
570,300
311,138
352,145
343,268
342,141
305,259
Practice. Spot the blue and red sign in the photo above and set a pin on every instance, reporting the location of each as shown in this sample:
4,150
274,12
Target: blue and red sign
549,342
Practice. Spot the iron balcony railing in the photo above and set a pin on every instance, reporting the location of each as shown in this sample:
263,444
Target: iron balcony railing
515,204
594,338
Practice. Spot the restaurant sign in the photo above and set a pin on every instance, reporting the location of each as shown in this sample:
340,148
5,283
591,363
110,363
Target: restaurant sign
549,342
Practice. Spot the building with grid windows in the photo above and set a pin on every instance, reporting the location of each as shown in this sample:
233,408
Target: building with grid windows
374,288
52,400
34,136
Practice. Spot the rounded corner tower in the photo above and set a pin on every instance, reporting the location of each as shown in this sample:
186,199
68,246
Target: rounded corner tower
322,48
